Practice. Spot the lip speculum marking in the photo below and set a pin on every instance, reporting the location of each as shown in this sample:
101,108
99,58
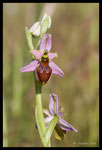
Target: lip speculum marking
43,70
44,57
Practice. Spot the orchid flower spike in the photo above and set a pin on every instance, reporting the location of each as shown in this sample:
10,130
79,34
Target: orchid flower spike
40,27
43,65
62,126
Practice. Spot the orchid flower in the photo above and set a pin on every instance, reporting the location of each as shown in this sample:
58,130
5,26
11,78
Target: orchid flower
62,126
43,65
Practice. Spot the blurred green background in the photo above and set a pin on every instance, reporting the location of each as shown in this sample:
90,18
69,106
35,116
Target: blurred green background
75,37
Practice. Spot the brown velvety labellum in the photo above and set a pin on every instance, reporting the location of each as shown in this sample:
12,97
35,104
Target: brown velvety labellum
44,72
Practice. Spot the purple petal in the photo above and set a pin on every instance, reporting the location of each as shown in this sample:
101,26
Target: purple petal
45,42
37,54
55,69
61,113
65,128
48,119
56,103
52,55
65,125
46,112
31,67
53,104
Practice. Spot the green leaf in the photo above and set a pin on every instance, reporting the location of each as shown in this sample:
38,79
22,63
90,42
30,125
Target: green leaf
50,129
29,38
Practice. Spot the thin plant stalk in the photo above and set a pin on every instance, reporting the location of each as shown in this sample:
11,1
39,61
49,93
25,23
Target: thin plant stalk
5,138
17,87
38,89
45,133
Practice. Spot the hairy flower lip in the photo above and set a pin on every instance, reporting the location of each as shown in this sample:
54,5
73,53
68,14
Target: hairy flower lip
45,45
53,110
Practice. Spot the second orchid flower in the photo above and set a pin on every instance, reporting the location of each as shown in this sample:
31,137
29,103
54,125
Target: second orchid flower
62,126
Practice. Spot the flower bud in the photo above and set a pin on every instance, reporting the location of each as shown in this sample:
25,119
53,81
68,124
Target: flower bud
45,24
35,29
40,28
49,20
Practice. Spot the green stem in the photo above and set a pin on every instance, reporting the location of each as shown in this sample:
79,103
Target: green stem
38,89
38,43
40,118
39,111
49,144
39,128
